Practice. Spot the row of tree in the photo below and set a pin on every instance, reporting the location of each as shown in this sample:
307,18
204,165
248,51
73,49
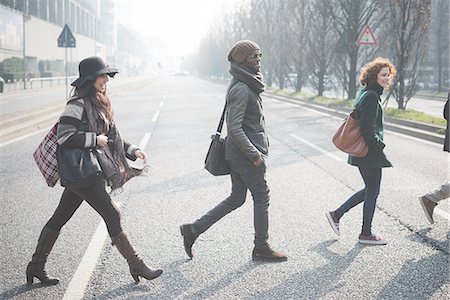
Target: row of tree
315,41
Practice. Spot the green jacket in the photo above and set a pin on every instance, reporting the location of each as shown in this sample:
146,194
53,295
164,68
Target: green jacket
371,124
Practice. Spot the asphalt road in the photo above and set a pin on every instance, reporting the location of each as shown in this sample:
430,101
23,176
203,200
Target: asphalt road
173,118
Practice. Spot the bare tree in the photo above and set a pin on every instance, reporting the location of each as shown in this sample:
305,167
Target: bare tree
350,18
298,31
263,16
321,44
211,60
281,44
409,22
439,39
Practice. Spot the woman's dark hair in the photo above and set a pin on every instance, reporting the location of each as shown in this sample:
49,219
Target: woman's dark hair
370,71
88,91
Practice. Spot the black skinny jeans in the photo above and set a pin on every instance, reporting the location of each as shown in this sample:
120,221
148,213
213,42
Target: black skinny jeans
97,197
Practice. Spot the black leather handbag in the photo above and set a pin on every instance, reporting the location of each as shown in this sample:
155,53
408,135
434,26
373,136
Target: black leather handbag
78,167
215,158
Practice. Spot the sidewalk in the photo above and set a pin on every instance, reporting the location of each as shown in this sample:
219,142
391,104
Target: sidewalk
429,106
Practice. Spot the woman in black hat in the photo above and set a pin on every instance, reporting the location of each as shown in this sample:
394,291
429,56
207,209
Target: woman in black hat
88,122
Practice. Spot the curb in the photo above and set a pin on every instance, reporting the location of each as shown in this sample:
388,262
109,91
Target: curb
419,130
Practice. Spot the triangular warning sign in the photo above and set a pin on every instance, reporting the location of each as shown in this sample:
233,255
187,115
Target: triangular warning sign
367,37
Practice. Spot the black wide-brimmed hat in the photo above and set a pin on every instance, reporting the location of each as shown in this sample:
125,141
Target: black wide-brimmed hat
92,67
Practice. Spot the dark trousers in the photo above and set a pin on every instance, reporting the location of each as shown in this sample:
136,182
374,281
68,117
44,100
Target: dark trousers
369,194
97,197
244,176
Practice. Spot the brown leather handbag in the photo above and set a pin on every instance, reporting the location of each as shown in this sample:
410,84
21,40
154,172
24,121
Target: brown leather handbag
348,137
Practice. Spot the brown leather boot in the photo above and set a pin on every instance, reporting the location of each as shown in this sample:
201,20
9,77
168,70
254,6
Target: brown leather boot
36,267
137,266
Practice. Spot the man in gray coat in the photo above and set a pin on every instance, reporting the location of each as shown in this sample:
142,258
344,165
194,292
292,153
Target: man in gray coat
246,150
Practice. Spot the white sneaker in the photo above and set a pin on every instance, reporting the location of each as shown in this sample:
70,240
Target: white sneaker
334,222
372,239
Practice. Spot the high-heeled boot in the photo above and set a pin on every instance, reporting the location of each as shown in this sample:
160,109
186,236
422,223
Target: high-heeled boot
36,266
137,266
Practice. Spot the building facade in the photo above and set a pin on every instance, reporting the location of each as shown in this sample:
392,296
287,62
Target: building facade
29,30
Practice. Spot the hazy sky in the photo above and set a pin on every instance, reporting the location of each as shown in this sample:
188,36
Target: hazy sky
181,23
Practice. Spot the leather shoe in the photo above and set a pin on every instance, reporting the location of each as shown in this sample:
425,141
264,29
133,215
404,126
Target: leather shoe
267,254
188,238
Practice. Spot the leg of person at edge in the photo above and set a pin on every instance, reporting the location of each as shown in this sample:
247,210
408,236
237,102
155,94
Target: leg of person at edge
430,200
375,76
246,149
89,104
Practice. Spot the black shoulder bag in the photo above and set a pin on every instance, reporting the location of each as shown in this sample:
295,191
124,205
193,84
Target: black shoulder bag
78,167
215,158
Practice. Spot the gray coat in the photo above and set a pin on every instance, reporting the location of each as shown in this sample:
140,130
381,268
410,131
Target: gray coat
247,136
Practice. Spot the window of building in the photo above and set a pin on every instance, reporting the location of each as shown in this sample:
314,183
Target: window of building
43,9
33,8
52,9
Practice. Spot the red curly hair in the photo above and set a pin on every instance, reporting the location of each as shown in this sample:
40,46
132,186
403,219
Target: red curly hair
370,71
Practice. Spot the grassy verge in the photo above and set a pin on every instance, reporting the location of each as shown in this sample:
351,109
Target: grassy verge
410,114
407,114
441,94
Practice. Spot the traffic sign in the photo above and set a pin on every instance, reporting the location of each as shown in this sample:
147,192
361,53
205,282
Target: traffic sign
367,37
66,38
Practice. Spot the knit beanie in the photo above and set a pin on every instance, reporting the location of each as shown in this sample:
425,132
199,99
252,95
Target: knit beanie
242,50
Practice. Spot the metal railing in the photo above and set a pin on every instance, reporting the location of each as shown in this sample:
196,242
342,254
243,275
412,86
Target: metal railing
36,83
50,81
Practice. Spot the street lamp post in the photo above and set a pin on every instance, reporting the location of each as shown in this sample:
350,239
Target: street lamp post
24,57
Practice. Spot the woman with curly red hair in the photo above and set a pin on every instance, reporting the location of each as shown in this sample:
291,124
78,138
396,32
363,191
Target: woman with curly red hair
376,76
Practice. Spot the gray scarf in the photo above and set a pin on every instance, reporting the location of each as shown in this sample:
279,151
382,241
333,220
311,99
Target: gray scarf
244,74
111,158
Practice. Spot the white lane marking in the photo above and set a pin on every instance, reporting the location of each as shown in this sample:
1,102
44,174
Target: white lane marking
80,279
161,104
144,140
442,213
155,116
316,147
23,137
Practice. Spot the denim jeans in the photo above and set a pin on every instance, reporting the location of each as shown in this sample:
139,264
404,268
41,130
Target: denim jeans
244,176
369,194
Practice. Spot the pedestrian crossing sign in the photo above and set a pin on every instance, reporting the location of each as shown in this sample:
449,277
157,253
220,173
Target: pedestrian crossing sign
66,38
367,37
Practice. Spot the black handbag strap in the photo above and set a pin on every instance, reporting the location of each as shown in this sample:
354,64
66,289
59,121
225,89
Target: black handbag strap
222,118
